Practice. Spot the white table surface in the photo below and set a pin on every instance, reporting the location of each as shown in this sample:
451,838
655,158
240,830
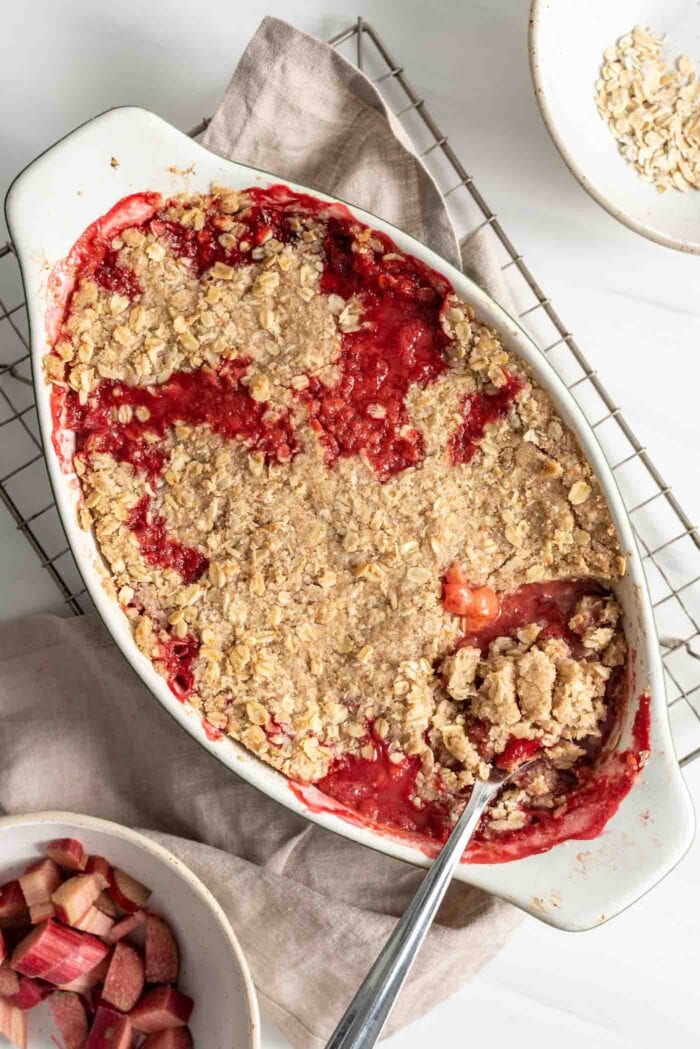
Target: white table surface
634,306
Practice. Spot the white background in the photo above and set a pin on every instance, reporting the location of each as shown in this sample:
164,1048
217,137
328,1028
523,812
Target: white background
634,307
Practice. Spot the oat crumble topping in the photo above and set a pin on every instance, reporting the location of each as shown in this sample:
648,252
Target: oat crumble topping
287,432
653,110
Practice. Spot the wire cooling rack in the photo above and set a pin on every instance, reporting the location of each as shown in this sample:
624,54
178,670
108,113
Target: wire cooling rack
669,542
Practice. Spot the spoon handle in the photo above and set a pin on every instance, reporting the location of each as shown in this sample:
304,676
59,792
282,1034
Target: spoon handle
369,1010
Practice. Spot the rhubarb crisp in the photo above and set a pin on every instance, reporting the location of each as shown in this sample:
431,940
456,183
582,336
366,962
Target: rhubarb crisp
346,525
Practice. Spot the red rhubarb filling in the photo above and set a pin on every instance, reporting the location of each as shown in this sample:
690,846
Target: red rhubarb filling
480,410
385,794
177,657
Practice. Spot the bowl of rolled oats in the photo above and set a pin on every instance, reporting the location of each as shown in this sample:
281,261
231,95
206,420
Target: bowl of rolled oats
343,518
618,90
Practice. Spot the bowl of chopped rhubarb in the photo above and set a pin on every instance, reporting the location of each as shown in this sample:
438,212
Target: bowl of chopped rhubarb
108,941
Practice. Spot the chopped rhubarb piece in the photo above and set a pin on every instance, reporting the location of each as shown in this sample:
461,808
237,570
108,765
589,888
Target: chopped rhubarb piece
88,953
76,896
39,912
67,853
516,751
127,892
13,908
98,865
161,1008
39,881
162,954
30,993
456,591
485,607
47,946
94,921
3,946
479,604
83,984
13,1024
174,1038
70,1016
9,980
125,978
110,1030
126,926
106,904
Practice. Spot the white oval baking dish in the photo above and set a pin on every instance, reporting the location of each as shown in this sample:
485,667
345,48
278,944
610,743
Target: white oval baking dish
575,885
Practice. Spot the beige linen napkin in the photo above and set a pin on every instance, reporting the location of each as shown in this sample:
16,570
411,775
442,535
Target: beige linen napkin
79,731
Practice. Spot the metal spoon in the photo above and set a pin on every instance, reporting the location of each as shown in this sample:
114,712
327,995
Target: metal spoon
369,1010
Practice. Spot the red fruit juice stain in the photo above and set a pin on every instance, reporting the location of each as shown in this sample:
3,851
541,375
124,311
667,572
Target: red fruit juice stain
178,654
400,343
212,733
214,397
113,277
479,410
264,220
90,250
382,792
516,751
158,549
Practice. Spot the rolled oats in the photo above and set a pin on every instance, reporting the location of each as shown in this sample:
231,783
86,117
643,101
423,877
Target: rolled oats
652,110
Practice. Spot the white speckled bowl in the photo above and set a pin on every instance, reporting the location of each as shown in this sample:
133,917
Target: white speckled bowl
567,40
214,972
48,206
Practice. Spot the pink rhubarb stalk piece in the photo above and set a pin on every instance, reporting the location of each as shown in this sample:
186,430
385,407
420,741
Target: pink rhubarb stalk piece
110,1030
40,912
76,896
161,1008
70,1016
125,926
83,984
13,1024
162,954
9,980
39,881
98,865
67,853
106,904
3,947
173,1038
95,921
89,953
125,978
127,892
13,909
30,993
47,946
